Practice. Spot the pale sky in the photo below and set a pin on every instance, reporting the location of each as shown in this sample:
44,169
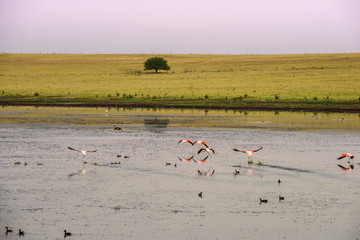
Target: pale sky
180,26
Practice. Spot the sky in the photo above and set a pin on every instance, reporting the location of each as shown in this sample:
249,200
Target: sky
180,26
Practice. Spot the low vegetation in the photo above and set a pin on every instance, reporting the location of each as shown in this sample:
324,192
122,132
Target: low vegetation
309,81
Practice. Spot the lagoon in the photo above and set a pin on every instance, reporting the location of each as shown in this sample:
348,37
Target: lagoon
142,197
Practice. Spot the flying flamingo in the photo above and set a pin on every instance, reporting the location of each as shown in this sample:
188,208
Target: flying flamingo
208,150
185,141
201,161
249,153
201,142
83,152
349,155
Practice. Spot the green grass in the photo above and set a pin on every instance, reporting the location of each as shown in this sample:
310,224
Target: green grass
290,81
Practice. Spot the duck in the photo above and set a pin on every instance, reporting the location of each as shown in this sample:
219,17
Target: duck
167,164
67,233
126,156
16,162
25,163
117,128
8,230
200,194
263,200
39,163
281,198
249,153
279,181
21,233
237,172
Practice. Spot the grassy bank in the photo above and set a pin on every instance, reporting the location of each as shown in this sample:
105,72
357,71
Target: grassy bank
305,82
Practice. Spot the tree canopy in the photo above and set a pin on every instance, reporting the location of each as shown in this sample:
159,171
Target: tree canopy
156,63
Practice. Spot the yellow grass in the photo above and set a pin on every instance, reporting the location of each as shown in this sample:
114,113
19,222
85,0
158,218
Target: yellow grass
223,78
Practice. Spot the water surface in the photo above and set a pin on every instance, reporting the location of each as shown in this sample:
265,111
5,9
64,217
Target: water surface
143,198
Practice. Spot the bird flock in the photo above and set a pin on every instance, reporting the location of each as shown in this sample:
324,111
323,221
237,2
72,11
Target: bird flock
197,158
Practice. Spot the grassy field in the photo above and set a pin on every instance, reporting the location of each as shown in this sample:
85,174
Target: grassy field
309,81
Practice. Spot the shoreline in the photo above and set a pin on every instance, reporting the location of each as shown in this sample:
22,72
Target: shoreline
254,106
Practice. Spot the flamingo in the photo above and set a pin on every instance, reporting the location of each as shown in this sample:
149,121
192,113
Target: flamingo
208,150
201,161
186,159
349,155
201,142
185,141
249,153
83,152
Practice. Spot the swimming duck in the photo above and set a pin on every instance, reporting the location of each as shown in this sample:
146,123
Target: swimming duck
117,128
21,233
200,194
281,198
167,164
16,162
263,200
8,230
67,233
39,163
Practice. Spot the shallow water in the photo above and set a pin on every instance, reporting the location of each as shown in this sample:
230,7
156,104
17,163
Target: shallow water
143,198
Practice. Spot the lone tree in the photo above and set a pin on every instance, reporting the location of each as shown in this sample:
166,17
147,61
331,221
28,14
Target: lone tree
156,63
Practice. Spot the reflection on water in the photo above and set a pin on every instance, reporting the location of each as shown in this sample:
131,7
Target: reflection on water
180,118
155,124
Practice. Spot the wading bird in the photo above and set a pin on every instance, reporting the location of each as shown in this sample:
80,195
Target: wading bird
21,233
249,153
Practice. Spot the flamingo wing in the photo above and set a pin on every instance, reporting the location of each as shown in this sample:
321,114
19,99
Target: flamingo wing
90,150
236,150
201,149
74,149
342,156
256,150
